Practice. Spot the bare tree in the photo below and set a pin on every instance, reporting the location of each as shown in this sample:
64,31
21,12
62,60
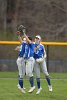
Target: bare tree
3,8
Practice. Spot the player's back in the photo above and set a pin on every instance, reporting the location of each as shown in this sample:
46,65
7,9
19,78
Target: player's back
29,50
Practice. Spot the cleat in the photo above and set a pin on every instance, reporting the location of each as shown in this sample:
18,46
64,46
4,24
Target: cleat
31,89
50,88
19,87
22,90
39,90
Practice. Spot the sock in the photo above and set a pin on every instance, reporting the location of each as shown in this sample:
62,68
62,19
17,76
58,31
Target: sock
31,80
38,82
21,82
48,80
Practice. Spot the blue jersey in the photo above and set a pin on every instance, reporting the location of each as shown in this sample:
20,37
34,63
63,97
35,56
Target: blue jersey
39,53
29,50
22,50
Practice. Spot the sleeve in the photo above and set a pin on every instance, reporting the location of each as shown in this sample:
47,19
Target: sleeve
45,53
43,50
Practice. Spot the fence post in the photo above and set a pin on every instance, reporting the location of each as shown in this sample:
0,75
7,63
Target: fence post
47,57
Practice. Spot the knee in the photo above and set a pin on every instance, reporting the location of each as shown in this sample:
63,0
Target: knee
38,79
29,74
47,76
20,76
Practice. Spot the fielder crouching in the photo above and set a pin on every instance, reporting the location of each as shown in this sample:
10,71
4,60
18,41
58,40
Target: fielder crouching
39,56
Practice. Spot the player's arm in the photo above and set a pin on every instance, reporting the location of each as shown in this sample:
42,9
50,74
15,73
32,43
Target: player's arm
28,40
17,48
45,53
20,39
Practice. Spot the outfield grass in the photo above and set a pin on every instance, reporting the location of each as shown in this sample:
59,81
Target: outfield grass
9,91
15,75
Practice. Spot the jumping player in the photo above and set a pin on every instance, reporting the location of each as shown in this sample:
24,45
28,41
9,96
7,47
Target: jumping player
21,63
29,52
39,56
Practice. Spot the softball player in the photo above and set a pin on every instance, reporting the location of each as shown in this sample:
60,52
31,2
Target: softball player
40,55
29,51
21,64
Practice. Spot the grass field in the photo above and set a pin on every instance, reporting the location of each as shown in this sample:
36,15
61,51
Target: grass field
9,91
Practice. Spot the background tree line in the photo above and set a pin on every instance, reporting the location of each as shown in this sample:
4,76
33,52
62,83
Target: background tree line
44,17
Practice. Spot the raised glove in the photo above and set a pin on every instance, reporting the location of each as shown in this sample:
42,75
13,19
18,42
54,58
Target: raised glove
21,30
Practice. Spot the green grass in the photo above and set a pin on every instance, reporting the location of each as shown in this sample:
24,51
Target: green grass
15,75
9,91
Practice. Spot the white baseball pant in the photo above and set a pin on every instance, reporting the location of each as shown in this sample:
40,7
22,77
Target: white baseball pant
21,66
43,67
29,66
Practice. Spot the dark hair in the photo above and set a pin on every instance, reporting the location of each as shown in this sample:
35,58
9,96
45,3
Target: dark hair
30,38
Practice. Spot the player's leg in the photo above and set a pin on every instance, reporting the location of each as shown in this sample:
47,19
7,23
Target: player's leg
20,68
19,64
22,71
44,69
37,71
23,67
29,67
29,72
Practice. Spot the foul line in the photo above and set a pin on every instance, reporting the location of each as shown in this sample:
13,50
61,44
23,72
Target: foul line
34,79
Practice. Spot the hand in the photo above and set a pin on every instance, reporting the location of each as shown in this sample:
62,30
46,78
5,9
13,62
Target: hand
17,48
18,32
40,60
